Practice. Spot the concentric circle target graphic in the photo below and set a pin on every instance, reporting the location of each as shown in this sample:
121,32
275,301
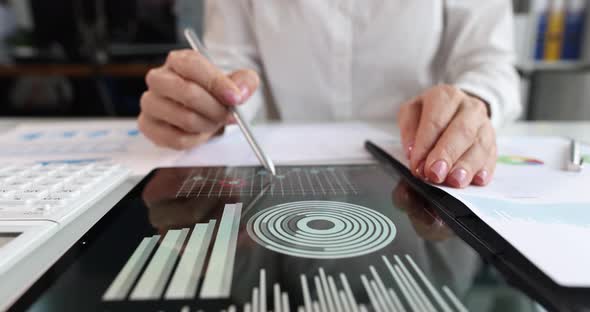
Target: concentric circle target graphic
321,229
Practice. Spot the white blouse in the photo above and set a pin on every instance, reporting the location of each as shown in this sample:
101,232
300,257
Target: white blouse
324,60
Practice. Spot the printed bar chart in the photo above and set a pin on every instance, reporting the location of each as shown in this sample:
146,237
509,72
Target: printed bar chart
182,278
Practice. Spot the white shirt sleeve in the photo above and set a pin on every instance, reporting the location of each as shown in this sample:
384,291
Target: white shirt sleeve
479,54
231,41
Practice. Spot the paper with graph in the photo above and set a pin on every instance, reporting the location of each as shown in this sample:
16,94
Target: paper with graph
537,206
83,142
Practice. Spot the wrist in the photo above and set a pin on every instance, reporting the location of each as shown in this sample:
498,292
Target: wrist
482,102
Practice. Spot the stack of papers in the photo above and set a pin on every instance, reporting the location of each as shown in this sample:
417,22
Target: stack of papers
538,207
289,144
83,142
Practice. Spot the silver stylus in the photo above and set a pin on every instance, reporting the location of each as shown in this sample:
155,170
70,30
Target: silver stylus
196,44
575,162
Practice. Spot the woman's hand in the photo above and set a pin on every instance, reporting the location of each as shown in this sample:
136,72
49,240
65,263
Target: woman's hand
448,137
188,98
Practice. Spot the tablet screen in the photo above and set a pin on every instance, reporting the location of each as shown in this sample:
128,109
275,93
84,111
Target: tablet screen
311,238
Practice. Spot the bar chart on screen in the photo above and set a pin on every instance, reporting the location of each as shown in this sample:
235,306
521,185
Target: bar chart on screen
171,267
393,284
151,273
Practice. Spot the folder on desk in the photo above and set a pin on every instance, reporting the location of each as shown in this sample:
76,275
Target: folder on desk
555,31
533,204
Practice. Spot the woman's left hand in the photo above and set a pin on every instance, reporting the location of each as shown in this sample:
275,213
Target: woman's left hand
448,137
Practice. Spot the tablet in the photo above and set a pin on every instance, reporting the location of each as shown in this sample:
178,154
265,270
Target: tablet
311,238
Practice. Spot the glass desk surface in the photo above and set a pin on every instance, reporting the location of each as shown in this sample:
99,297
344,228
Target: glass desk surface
311,238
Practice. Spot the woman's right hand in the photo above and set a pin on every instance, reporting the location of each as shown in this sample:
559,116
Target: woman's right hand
188,98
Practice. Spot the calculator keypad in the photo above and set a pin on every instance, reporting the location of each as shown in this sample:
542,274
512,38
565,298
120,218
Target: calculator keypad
37,190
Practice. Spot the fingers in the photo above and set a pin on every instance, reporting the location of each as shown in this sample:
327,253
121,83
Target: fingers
475,161
187,99
484,176
168,84
246,80
193,66
408,118
166,135
177,114
472,161
455,141
438,108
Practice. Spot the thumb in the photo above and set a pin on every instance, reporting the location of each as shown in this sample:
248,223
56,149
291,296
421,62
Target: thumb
247,81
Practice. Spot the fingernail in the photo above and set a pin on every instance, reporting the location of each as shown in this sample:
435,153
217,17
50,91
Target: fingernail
231,97
481,177
458,177
440,169
245,91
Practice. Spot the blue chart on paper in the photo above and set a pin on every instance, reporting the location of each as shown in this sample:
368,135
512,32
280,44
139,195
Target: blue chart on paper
573,214
69,142
77,134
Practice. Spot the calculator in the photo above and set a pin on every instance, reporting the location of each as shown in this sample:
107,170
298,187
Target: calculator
39,202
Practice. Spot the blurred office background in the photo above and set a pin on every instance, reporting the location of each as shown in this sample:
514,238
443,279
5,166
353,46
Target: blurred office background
85,57
89,57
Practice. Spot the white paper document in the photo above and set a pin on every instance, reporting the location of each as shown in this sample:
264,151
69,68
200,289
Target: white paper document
289,144
72,142
538,207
